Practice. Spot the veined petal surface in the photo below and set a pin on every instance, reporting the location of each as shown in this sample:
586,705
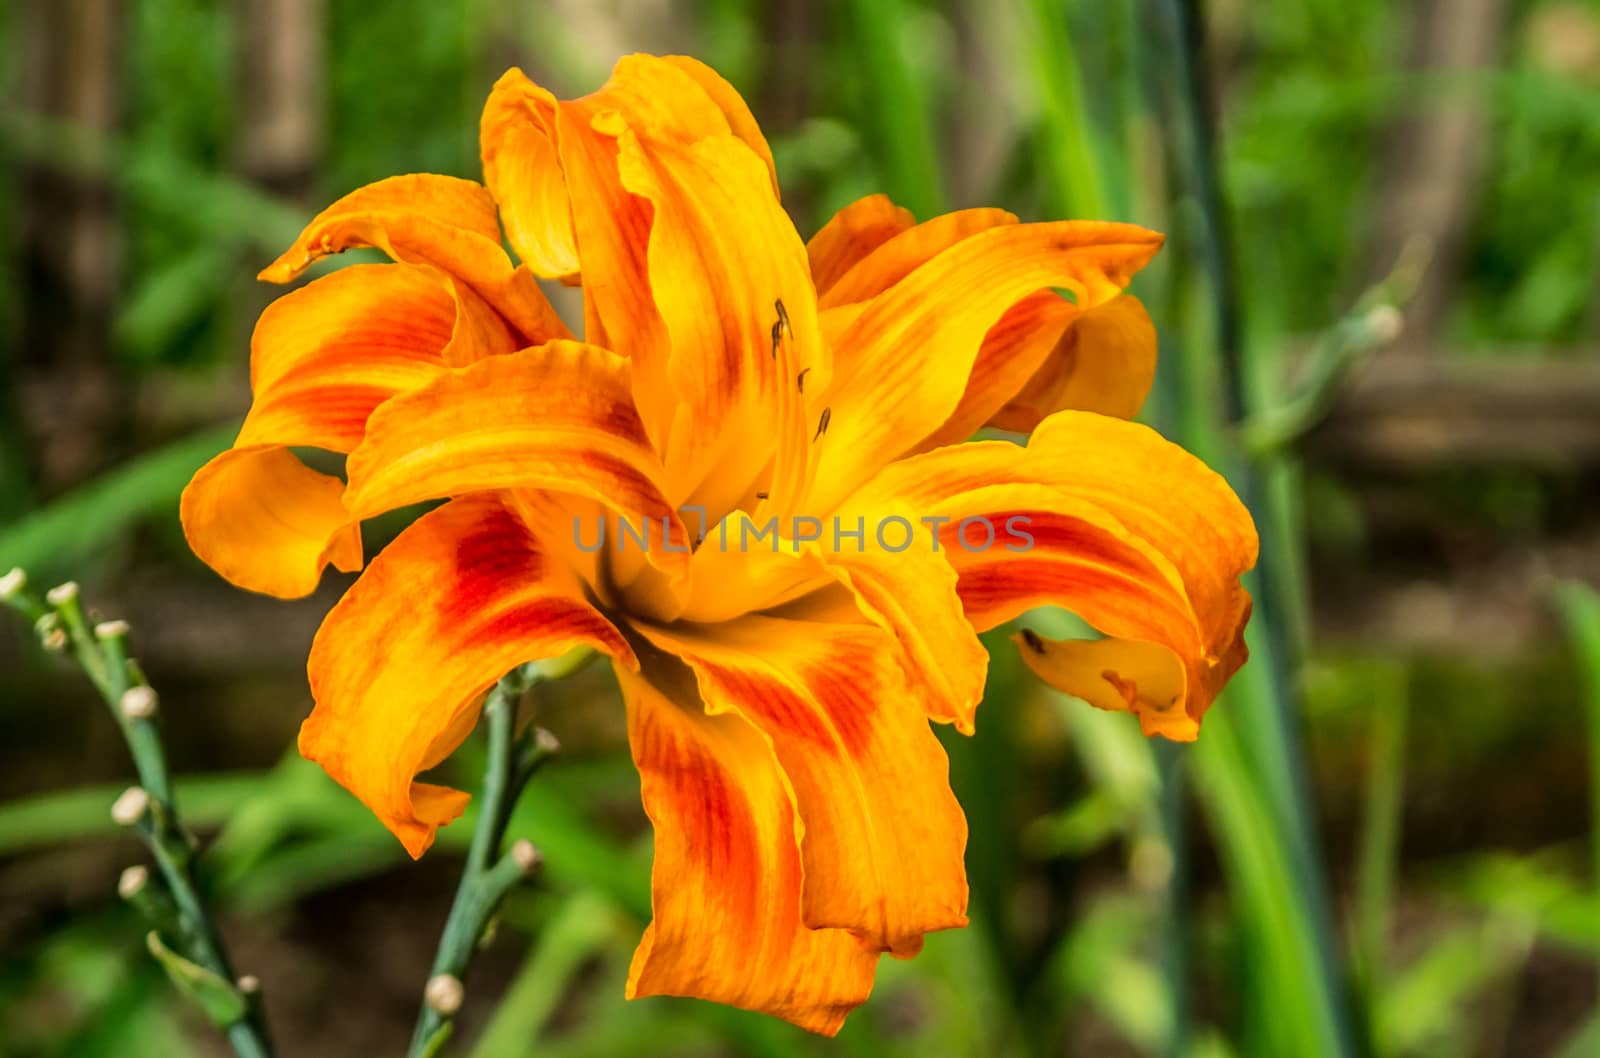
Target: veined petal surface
727,881
882,835
399,674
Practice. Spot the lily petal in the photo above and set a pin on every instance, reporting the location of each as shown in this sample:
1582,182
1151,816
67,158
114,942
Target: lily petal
266,522
441,221
851,234
1111,521
902,254
399,675
722,255
904,363
522,168
913,595
322,357
727,881
741,122
1104,361
534,147
882,834
557,417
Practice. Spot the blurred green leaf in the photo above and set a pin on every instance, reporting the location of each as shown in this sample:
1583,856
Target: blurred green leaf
65,535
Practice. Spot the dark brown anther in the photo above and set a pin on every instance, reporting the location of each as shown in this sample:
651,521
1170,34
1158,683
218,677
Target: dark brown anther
761,495
780,327
800,379
822,423
1031,638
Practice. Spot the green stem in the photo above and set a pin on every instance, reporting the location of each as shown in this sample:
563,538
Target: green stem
102,653
1580,606
1175,912
897,109
1268,740
488,875
1380,830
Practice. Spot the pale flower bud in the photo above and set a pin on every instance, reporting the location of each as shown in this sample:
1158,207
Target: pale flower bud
444,994
130,806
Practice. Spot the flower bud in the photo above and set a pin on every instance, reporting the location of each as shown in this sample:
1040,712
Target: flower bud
62,594
130,806
138,703
527,856
444,994
111,629
133,881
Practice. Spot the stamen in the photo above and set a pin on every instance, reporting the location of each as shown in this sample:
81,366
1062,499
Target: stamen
1035,644
800,379
761,495
780,327
822,423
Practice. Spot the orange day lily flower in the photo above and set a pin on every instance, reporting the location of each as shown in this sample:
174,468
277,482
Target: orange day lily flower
778,694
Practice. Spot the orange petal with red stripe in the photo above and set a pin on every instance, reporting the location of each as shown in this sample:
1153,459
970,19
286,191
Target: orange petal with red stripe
322,358
904,363
1107,519
722,255
882,835
426,219
851,234
557,417
1104,361
400,666
727,880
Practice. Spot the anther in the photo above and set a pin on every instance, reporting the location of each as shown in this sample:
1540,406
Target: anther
249,984
800,379
62,594
761,495
1031,638
822,423
12,583
780,327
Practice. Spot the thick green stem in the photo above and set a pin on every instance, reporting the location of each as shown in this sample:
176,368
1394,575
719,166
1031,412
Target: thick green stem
489,875
150,809
1380,829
